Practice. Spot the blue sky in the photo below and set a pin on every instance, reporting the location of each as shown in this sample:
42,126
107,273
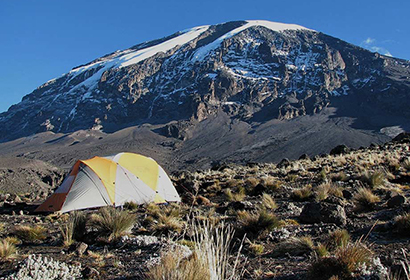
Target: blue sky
42,39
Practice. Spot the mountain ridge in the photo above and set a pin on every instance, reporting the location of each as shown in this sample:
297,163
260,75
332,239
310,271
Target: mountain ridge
253,80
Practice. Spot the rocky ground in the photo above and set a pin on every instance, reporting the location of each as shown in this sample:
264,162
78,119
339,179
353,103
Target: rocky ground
338,216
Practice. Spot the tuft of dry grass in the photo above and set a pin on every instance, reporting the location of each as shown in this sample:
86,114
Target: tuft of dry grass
295,246
256,224
173,266
303,194
374,179
402,224
74,228
239,196
406,164
268,202
165,219
256,249
210,259
131,205
365,199
344,262
30,234
112,223
7,250
338,238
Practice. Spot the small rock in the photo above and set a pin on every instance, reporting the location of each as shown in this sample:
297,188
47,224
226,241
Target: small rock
21,213
304,156
396,201
316,212
81,248
347,194
202,200
90,273
283,163
339,150
258,190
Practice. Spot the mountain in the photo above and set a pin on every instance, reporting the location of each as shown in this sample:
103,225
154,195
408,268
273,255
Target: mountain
237,91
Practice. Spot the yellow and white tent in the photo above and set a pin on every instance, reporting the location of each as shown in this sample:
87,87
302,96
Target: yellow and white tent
112,180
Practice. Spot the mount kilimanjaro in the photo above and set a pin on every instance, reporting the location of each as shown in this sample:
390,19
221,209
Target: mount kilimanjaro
238,91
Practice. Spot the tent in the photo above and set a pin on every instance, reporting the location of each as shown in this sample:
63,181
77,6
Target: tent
112,180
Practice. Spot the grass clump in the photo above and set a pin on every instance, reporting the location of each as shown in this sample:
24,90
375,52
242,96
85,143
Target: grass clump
258,223
365,199
374,179
303,194
338,238
210,259
343,263
256,249
406,164
30,234
112,223
7,249
130,205
165,219
295,246
402,224
74,228
239,196
268,202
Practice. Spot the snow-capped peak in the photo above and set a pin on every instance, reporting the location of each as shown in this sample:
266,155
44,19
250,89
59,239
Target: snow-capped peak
275,26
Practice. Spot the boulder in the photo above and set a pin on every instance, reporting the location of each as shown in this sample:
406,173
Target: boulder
283,163
396,201
339,150
316,212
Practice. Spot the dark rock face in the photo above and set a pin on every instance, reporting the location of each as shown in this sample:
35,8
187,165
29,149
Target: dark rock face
317,212
396,201
339,150
256,75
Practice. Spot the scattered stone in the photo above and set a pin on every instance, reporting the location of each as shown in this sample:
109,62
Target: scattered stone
90,273
37,267
292,209
396,201
259,189
316,212
81,248
347,194
403,137
241,205
283,163
304,156
339,150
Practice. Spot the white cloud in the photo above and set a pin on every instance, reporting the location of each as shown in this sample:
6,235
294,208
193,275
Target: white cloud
368,41
369,44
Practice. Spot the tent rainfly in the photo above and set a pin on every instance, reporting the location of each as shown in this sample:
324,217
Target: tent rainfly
112,180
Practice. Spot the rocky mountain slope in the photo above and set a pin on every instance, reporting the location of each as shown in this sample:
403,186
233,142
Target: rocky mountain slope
251,70
340,216
238,91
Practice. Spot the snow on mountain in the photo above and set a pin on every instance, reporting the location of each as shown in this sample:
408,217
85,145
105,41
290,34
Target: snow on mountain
280,71
274,26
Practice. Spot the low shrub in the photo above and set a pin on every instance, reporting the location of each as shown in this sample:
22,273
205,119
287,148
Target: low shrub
402,224
295,246
374,179
338,238
112,223
30,234
365,199
268,202
343,263
7,250
303,194
258,223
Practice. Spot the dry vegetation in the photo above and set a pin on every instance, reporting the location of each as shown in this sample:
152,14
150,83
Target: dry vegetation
242,222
